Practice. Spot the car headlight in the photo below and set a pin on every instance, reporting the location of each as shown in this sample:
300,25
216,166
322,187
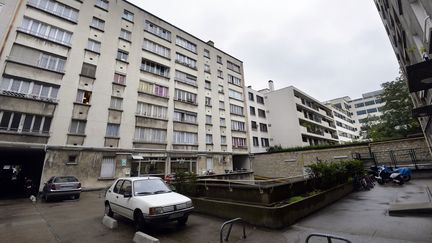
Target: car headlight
189,204
156,210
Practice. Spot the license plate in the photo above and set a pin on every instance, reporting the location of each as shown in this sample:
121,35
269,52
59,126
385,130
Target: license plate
176,215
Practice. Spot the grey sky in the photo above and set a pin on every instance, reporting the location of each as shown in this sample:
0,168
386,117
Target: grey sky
327,48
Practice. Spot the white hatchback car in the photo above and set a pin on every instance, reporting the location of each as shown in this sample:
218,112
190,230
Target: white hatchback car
146,200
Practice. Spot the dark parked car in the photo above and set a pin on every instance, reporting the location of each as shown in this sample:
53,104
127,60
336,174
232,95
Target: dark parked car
62,186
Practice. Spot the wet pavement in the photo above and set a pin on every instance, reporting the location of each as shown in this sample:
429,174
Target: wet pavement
360,217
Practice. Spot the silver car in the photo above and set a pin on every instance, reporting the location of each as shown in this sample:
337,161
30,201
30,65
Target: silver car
62,186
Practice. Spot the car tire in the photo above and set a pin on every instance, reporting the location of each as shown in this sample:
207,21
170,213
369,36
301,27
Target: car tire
77,196
139,220
108,210
46,197
182,221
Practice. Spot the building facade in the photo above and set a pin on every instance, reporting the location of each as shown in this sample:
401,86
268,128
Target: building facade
367,109
409,27
101,89
346,125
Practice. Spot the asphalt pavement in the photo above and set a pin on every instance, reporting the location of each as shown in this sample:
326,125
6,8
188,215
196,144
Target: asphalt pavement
360,217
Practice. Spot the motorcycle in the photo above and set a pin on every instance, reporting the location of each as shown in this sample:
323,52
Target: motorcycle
405,173
385,174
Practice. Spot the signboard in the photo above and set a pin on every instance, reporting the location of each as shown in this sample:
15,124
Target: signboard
123,162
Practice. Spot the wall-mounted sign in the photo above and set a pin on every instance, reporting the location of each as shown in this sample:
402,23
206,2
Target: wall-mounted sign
123,162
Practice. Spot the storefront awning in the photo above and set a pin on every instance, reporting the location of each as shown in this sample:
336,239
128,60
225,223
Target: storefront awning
136,156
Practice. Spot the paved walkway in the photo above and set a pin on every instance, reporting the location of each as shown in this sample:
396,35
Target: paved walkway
360,217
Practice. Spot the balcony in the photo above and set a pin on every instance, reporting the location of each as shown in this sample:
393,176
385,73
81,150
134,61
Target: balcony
419,76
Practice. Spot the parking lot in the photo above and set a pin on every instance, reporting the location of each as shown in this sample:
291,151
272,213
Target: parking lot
360,217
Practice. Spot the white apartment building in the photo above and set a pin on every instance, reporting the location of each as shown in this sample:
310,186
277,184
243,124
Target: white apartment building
409,27
293,119
345,121
367,108
259,132
100,89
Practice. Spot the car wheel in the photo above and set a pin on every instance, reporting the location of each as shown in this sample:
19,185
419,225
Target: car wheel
108,210
46,197
77,196
139,220
183,220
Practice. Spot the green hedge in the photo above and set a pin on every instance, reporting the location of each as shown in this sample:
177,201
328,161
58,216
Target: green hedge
329,174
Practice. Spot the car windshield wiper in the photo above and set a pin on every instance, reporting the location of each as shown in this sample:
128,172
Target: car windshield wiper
144,193
161,191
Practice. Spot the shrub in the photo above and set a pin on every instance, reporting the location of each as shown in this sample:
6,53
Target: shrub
329,174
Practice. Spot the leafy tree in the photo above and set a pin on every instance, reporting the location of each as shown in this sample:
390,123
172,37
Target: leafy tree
396,121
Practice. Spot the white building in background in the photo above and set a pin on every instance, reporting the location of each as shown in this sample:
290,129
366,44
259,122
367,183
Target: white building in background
367,108
346,125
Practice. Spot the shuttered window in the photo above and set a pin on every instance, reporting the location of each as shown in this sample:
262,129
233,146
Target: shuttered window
108,167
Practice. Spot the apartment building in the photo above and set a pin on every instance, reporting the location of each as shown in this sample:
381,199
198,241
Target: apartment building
366,109
259,133
293,119
347,128
409,27
101,89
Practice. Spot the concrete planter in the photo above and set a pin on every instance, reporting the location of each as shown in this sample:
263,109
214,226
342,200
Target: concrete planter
272,217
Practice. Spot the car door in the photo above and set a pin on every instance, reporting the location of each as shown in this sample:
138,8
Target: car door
114,195
124,202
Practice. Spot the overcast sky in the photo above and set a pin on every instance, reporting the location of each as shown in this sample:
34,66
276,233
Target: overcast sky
327,48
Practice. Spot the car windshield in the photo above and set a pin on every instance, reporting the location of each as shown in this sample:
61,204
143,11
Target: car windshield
65,179
150,186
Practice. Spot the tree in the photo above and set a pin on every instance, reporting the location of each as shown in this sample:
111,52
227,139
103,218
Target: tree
396,121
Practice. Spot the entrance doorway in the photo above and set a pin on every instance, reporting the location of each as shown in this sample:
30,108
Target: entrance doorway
18,166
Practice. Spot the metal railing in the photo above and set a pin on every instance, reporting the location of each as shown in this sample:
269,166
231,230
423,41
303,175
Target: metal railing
230,223
329,237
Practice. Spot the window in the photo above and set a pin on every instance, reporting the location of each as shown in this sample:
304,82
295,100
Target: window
260,99
378,101
122,55
112,130
207,68
83,97
88,70
261,113
233,67
209,164
98,24
222,122
400,9
220,74
102,4
263,127
119,78
77,127
265,142
128,15
45,31
24,123
359,105
185,96
371,102
156,48
236,110
51,62
154,89
155,68
223,140
206,53
219,59
251,96
150,135
108,170
56,8
373,110
238,126
238,142
255,141
186,61
254,125
209,139
158,31
234,80
207,101
186,44
185,138
116,103
150,110
221,89
185,78
125,35
235,95
207,85
361,112
221,105
29,88
208,119
93,45
184,116
252,110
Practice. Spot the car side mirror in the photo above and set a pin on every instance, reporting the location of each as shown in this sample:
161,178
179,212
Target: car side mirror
127,194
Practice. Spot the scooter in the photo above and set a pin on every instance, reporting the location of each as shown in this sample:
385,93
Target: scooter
405,173
384,174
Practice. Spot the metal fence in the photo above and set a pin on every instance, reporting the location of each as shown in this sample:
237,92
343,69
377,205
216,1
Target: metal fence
416,158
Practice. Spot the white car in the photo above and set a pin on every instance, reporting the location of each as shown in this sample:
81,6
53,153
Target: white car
146,200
